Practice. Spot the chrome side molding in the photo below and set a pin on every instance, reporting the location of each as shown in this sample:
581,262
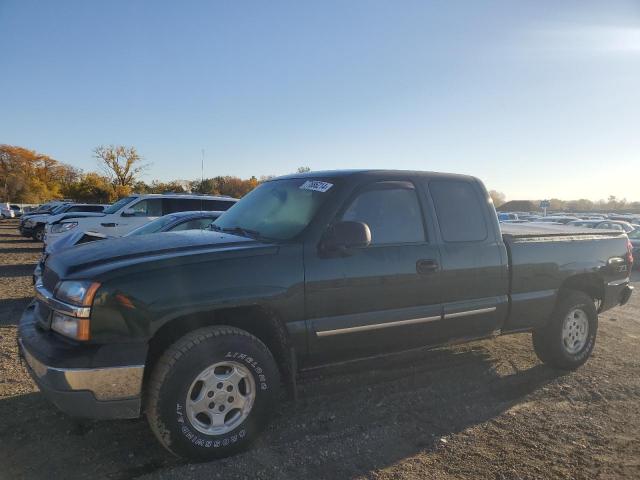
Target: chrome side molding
376,326
399,323
468,313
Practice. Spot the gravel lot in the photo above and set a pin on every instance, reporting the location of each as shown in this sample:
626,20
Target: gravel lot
487,409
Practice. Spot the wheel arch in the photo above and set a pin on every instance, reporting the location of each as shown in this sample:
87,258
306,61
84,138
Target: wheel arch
260,321
588,283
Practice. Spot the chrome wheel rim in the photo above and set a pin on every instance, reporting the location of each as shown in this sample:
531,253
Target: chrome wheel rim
575,331
220,398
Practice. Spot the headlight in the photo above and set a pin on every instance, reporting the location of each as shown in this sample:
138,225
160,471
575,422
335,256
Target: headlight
77,328
63,227
79,293
28,223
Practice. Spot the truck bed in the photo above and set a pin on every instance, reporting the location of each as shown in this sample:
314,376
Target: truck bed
513,231
542,257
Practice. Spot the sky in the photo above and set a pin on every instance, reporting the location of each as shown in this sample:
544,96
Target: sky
539,99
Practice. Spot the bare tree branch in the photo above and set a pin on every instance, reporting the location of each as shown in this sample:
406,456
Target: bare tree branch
120,163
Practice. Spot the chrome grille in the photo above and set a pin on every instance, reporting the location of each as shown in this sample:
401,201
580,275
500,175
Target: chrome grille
49,279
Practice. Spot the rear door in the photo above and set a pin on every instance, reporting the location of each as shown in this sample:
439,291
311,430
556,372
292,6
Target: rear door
378,298
474,277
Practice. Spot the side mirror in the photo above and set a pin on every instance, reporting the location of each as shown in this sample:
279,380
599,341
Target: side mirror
128,212
343,236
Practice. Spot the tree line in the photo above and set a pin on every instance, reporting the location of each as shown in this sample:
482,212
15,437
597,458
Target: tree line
27,176
611,204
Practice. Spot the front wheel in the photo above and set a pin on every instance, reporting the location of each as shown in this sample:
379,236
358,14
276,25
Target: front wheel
38,235
567,340
212,392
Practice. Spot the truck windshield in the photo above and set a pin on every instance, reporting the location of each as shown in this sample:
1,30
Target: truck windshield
118,205
59,209
152,227
276,210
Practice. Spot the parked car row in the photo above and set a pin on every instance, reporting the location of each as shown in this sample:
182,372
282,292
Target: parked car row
626,223
33,225
172,222
199,330
53,221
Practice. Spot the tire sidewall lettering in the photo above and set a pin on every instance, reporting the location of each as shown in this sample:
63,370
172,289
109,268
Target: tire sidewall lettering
253,364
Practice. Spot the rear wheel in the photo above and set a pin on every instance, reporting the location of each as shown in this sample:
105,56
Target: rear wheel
567,340
212,392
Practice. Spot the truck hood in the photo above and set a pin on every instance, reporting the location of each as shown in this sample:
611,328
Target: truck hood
115,253
40,218
65,216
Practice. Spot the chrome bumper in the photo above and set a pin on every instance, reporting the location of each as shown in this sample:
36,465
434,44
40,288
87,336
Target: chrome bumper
105,384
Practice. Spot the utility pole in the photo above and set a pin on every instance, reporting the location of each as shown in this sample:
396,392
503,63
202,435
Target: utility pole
202,173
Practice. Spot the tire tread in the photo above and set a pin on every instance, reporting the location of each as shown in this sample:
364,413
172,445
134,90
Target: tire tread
167,361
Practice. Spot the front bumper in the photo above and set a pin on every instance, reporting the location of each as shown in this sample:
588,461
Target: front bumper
25,231
50,238
98,392
625,295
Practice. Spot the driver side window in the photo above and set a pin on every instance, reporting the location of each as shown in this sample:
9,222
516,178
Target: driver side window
392,212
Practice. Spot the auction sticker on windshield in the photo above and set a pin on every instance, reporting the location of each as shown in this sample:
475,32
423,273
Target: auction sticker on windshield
316,186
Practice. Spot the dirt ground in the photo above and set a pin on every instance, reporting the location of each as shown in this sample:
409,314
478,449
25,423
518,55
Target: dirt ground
487,409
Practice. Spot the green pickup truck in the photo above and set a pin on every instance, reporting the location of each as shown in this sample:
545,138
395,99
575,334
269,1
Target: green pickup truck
199,330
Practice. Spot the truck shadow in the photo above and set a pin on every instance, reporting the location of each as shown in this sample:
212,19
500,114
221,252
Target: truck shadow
21,270
32,249
11,309
353,419
20,241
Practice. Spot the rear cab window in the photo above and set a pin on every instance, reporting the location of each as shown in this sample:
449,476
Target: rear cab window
459,210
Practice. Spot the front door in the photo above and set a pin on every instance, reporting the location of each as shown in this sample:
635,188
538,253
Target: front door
378,298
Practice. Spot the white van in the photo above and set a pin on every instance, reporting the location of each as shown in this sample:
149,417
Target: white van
136,210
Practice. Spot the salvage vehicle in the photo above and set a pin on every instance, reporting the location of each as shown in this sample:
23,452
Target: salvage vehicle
45,208
34,225
197,330
136,210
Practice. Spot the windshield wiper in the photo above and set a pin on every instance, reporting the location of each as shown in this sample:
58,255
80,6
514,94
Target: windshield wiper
245,232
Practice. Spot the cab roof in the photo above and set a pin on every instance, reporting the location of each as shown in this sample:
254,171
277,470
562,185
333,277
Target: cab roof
375,173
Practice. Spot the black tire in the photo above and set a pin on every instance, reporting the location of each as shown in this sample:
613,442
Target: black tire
548,341
38,234
172,379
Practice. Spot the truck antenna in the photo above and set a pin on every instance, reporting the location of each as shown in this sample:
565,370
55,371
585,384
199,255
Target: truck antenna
202,170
